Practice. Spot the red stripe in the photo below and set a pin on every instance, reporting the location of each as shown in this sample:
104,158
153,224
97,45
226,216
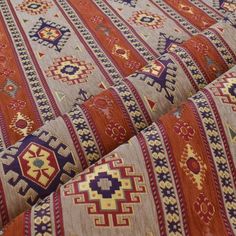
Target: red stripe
168,16
222,132
76,142
3,206
172,160
58,215
27,223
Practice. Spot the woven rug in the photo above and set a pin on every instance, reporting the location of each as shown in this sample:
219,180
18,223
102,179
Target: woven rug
38,164
52,52
175,178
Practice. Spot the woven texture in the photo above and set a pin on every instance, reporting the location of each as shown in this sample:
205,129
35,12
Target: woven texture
52,52
79,78
175,178
34,167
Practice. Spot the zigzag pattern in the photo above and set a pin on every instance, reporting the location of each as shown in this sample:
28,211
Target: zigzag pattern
226,89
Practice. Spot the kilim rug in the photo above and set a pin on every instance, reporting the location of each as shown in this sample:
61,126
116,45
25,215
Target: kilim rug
38,164
175,178
52,52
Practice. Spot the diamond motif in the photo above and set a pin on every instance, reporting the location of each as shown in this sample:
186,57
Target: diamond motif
34,7
39,164
147,19
10,88
70,70
21,124
193,166
120,52
110,190
50,34
229,6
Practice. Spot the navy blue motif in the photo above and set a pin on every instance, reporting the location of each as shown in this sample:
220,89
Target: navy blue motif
131,3
163,81
50,34
105,185
166,41
50,155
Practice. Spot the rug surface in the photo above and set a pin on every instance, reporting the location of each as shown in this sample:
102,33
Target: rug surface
175,178
79,78
52,52
37,165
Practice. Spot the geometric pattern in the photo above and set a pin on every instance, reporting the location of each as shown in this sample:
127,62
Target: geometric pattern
184,130
229,6
220,155
226,89
109,189
34,7
204,208
86,138
116,131
37,165
131,3
160,74
196,76
167,42
138,117
165,181
70,70
10,88
147,19
42,218
193,166
50,34
21,124
16,105
121,52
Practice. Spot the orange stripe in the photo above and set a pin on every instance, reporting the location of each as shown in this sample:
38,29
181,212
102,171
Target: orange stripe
10,63
193,14
117,48
109,119
206,56
16,227
190,190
